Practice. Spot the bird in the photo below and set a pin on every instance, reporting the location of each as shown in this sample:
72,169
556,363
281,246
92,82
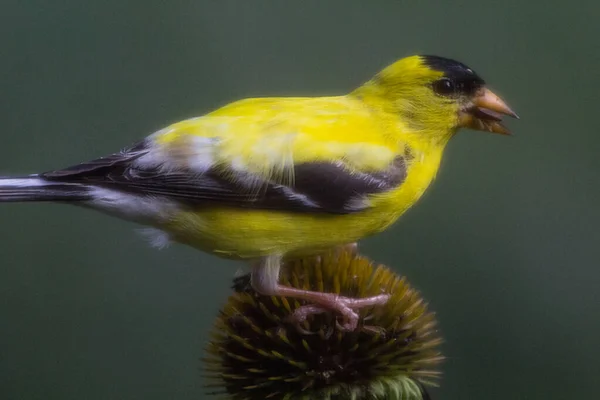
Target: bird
267,179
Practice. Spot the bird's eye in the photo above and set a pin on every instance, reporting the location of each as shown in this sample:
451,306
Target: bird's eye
444,87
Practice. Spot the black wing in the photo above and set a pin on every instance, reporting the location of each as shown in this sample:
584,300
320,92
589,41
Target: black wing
317,187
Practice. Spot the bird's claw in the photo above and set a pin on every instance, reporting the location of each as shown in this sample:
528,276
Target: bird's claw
345,306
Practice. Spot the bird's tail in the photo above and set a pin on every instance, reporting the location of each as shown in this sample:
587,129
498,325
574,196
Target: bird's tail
36,188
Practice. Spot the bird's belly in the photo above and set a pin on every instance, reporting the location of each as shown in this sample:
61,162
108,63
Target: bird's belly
234,233
244,233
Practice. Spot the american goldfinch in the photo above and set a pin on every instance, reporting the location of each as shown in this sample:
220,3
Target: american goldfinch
265,179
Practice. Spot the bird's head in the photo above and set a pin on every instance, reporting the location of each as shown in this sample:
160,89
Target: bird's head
436,96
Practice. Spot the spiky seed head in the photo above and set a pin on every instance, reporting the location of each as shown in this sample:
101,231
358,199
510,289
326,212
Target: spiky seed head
256,352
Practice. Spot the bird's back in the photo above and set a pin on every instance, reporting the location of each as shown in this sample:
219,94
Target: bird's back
264,135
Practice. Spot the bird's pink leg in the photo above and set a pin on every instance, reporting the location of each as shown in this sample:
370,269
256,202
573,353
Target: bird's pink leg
265,277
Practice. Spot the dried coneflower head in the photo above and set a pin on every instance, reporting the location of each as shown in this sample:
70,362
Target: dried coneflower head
256,351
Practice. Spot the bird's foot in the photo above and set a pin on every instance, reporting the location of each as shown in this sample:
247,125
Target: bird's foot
330,302
264,278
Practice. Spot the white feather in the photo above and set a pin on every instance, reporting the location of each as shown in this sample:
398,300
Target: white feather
22,183
195,153
156,237
289,192
201,156
133,207
154,158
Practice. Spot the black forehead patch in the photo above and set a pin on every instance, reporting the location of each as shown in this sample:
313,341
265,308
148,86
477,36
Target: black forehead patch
451,68
458,72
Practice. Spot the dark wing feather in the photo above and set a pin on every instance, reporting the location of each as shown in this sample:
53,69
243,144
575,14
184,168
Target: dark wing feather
317,187
336,188
99,166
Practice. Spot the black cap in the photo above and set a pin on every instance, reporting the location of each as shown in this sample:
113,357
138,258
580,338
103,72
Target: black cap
463,78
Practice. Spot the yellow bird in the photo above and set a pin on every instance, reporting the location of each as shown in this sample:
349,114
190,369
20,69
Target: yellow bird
263,179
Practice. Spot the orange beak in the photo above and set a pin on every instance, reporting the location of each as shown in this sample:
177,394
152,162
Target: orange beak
485,113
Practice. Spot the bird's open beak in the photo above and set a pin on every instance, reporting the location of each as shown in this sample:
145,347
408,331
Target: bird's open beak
485,113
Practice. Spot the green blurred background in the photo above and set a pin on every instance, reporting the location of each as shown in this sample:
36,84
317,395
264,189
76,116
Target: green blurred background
504,245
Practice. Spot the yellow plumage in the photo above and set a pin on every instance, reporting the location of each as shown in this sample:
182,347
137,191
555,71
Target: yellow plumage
263,135
268,178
